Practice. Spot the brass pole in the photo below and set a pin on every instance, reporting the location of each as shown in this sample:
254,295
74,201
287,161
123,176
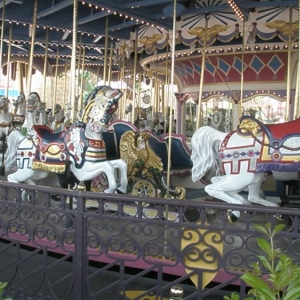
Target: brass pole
79,60
45,66
166,91
73,59
121,78
240,103
2,35
29,74
8,60
82,78
105,52
199,116
55,86
110,64
20,80
65,84
134,96
288,78
172,95
297,100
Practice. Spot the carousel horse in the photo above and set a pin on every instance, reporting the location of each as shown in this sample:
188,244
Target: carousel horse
41,113
19,111
246,157
5,119
81,145
31,112
59,118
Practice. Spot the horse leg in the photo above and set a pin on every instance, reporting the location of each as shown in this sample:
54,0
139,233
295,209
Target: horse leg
234,194
121,165
226,187
91,171
50,180
254,190
110,175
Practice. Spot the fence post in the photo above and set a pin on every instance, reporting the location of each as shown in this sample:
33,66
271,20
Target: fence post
80,240
176,292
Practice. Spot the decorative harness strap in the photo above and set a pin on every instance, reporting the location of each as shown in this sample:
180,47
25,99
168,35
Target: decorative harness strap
277,133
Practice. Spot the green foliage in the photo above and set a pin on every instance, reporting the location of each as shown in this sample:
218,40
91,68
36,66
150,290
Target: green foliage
282,281
2,288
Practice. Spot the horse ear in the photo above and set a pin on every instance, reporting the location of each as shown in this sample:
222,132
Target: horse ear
116,93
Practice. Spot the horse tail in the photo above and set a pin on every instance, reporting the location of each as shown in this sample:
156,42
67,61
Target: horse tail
13,141
205,145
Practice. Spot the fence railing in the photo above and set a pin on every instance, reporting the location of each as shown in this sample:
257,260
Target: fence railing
65,244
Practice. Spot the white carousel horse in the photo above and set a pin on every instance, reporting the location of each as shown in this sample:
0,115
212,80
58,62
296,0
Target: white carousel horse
41,113
59,116
5,119
245,157
19,111
31,112
81,144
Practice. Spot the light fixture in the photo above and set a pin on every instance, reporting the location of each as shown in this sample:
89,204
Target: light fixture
97,39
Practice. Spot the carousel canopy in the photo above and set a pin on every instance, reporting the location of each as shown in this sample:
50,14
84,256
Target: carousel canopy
122,21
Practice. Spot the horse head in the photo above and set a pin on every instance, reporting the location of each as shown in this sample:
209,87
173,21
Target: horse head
20,100
99,112
33,101
4,104
58,112
41,108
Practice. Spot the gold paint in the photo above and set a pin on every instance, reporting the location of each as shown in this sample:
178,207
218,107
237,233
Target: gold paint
200,238
136,151
48,167
284,27
207,34
248,126
265,155
149,42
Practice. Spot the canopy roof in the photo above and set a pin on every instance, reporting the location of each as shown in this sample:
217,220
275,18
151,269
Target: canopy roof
120,18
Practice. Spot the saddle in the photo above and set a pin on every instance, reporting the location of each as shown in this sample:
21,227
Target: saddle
47,138
277,134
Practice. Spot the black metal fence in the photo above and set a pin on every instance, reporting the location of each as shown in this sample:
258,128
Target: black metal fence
64,244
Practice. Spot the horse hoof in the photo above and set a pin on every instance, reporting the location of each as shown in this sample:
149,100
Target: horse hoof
233,215
120,191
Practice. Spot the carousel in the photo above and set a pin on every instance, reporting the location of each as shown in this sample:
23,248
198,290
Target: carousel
200,104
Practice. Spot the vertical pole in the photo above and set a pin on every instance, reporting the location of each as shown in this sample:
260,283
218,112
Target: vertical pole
297,100
80,248
166,91
20,77
199,114
82,79
65,85
240,103
29,74
105,52
55,85
110,65
45,66
2,35
172,95
8,61
79,59
288,78
73,59
134,96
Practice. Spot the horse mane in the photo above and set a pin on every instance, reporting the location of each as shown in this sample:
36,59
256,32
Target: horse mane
205,144
36,95
13,141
